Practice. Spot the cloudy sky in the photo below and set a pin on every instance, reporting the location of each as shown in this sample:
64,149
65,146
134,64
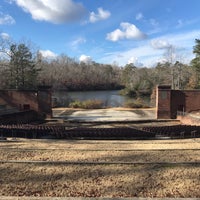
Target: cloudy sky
105,31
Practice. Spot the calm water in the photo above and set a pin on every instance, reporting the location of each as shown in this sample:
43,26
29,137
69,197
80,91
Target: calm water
110,98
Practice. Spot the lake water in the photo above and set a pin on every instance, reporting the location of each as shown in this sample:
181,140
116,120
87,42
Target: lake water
110,98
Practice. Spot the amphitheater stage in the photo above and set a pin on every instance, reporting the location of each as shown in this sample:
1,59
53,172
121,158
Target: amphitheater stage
108,115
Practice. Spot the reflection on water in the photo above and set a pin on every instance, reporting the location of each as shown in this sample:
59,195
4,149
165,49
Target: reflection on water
110,98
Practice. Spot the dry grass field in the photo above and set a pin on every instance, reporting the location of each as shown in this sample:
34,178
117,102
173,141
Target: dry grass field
80,168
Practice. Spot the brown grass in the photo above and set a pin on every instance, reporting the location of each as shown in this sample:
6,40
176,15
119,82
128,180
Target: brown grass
100,180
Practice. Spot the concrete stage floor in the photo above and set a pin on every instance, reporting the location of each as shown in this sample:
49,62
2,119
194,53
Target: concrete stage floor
109,115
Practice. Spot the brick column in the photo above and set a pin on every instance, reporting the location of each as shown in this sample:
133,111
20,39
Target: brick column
45,100
163,102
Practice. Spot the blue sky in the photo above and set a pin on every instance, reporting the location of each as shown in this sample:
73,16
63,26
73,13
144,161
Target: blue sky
105,31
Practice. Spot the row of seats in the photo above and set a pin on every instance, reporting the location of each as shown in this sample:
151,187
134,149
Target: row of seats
120,132
24,130
62,132
182,131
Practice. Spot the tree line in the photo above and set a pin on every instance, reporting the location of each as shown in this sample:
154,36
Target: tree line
22,68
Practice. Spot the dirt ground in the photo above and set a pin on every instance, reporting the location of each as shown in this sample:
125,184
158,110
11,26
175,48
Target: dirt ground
104,168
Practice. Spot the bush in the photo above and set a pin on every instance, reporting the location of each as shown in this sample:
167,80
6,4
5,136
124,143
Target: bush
76,104
88,104
128,92
92,104
138,103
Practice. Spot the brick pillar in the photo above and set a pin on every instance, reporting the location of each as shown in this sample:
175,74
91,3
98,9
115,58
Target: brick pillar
45,100
163,102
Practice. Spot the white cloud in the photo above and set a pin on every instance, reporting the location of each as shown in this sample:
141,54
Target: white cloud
6,19
5,36
128,31
54,11
183,23
153,22
78,41
134,60
101,15
115,35
180,40
160,44
48,54
149,56
139,16
144,53
85,59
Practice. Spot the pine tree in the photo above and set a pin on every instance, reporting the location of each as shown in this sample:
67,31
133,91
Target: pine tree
196,62
23,71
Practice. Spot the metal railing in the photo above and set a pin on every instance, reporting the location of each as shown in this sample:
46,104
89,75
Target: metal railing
182,113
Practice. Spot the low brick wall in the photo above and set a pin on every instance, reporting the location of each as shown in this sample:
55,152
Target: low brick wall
20,117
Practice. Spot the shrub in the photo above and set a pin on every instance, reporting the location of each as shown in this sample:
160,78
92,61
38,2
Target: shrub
138,103
76,104
128,92
88,104
92,104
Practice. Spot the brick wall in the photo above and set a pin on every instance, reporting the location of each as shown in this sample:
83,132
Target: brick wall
192,100
168,101
37,100
23,100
